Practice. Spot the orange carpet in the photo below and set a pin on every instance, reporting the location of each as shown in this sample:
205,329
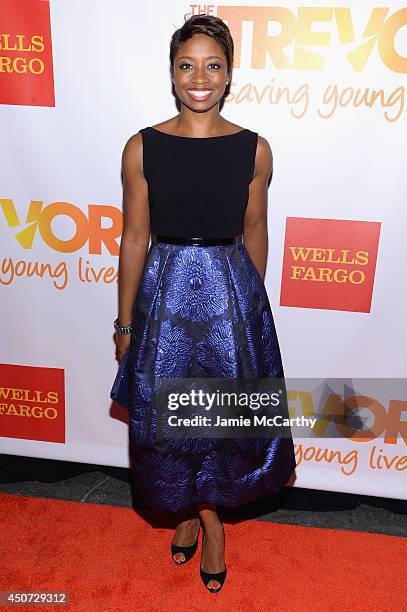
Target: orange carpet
111,558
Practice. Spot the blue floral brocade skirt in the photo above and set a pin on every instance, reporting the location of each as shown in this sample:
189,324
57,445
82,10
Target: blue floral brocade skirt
200,312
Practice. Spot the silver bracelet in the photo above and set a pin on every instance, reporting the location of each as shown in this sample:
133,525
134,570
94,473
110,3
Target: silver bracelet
121,329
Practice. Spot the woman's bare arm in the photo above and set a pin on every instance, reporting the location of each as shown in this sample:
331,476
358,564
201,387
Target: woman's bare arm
136,226
255,233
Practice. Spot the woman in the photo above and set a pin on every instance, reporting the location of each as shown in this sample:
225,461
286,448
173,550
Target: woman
193,304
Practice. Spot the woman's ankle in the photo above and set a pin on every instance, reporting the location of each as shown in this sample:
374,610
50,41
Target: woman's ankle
213,526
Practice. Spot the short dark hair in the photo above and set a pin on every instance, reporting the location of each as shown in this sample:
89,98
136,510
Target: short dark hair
204,24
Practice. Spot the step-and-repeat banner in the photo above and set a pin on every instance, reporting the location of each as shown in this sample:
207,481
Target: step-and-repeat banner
326,85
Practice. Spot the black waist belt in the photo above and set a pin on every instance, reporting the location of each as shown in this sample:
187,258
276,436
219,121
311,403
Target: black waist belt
204,241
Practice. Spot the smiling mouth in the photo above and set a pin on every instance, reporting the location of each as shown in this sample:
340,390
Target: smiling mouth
199,94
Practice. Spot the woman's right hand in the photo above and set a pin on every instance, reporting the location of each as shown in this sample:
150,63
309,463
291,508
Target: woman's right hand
122,344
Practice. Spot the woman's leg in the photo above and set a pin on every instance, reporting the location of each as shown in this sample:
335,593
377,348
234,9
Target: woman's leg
213,550
187,529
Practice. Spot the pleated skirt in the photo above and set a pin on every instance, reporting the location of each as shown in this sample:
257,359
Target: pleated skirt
200,312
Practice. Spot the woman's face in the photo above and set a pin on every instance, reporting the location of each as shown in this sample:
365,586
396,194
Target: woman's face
200,72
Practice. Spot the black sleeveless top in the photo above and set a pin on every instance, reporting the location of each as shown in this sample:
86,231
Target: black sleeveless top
198,187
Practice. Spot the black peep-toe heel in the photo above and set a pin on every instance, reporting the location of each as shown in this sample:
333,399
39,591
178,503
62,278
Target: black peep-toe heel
207,577
187,551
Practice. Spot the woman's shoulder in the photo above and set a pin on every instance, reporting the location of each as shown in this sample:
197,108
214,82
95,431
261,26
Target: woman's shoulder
263,143
133,150
134,140
263,157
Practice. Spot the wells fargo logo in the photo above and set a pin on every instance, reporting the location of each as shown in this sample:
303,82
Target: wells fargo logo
32,403
329,263
380,30
83,229
26,70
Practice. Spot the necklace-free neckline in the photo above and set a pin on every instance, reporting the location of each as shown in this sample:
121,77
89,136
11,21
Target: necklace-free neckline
198,137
